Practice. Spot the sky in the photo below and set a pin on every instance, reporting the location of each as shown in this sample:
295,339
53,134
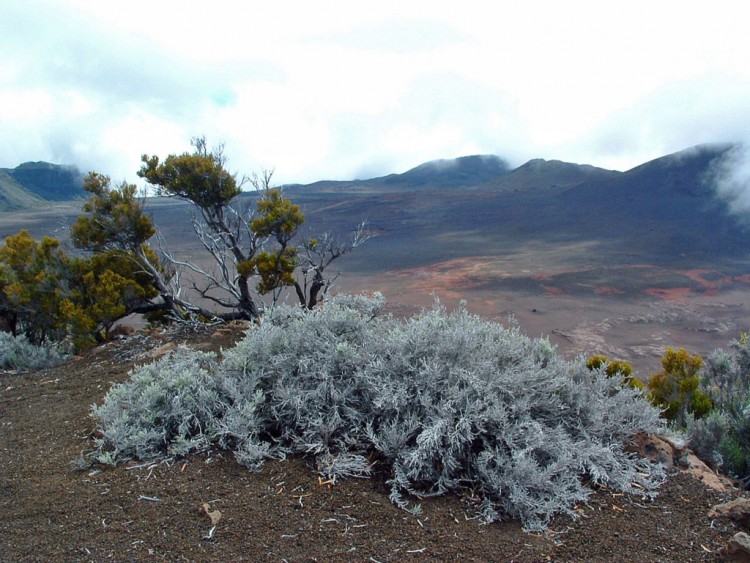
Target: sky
345,90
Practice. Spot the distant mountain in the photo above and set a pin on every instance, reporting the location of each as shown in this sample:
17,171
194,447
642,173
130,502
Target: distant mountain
462,172
664,210
540,173
51,182
668,206
676,177
476,171
14,196
672,186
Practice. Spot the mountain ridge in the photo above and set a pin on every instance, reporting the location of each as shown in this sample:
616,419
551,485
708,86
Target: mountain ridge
491,171
553,192
15,196
32,183
664,209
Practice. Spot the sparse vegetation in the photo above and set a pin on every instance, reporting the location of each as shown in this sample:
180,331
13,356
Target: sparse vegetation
253,251
446,401
723,437
17,353
451,403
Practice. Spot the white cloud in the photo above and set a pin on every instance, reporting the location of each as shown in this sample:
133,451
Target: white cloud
338,90
731,178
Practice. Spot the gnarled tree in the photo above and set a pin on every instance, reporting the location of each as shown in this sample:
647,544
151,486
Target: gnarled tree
252,248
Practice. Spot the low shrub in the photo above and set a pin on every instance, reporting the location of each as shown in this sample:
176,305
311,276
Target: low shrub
466,402
307,369
17,353
615,368
169,407
446,401
724,436
675,389
706,435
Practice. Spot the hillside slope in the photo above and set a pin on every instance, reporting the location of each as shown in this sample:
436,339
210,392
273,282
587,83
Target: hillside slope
51,182
454,173
663,211
460,172
549,174
668,207
14,196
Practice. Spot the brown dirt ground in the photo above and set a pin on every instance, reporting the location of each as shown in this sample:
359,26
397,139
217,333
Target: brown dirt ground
51,512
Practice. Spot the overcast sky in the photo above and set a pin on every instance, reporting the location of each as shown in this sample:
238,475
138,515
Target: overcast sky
341,90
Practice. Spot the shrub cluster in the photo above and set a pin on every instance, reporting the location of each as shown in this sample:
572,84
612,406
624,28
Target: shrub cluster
445,400
17,353
723,436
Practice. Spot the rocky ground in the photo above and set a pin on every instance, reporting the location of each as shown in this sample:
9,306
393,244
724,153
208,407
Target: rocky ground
210,508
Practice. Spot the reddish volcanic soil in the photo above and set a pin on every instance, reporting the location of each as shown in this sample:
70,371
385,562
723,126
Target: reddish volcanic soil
631,312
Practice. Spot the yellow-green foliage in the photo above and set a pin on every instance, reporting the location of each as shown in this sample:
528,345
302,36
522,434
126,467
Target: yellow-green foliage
613,368
47,295
275,270
107,289
115,219
279,217
595,362
199,177
261,249
675,388
30,276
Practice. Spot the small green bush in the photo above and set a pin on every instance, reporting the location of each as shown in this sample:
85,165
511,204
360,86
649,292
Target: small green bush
612,368
17,353
447,401
675,389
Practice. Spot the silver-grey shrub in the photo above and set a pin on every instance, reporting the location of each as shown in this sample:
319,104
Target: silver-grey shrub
705,435
446,401
308,367
723,437
169,407
467,403
17,353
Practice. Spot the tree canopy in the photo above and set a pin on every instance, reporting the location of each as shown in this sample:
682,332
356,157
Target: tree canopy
199,177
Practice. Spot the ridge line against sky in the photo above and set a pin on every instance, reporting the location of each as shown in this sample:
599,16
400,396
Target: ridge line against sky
342,90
